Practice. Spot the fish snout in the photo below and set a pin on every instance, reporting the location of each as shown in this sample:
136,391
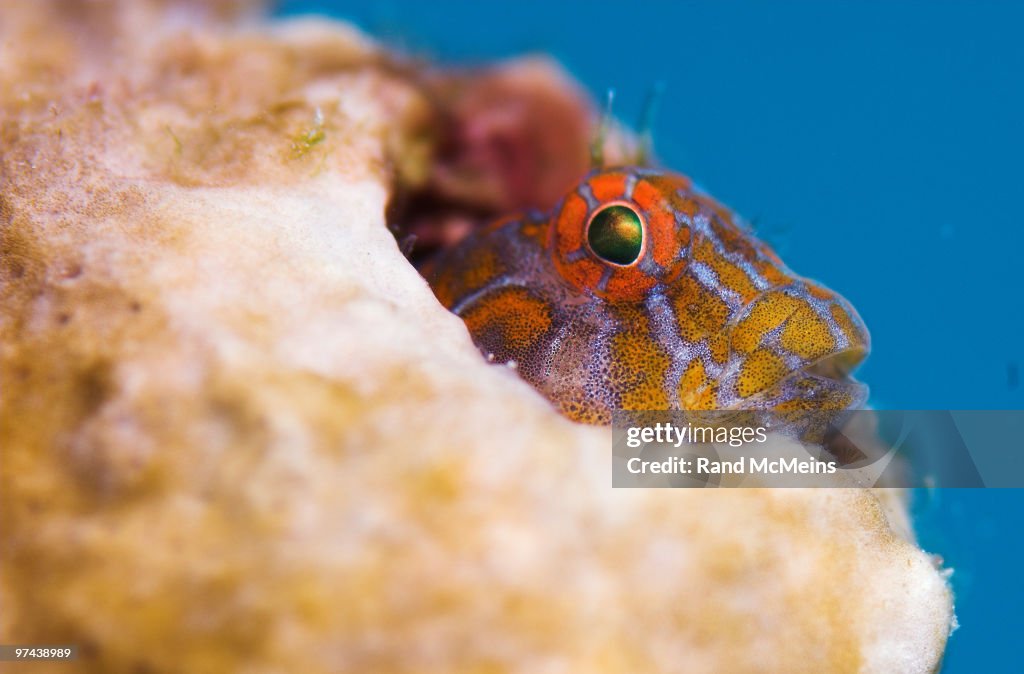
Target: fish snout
794,348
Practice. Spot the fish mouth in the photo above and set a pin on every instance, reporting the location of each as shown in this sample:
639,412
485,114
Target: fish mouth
837,366
826,384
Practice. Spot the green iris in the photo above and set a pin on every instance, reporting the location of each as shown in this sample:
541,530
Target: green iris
616,235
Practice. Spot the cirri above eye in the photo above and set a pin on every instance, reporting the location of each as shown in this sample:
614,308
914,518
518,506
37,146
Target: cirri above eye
616,234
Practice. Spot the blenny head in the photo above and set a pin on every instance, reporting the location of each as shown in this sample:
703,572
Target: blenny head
642,293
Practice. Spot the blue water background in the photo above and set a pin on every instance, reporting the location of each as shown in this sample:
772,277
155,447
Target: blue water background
879,147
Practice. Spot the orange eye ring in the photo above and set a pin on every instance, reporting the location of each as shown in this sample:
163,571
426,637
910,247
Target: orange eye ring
596,266
616,234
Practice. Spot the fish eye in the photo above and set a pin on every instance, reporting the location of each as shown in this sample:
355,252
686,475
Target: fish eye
616,234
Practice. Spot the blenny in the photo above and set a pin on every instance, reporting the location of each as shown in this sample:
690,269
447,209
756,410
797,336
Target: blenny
640,292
